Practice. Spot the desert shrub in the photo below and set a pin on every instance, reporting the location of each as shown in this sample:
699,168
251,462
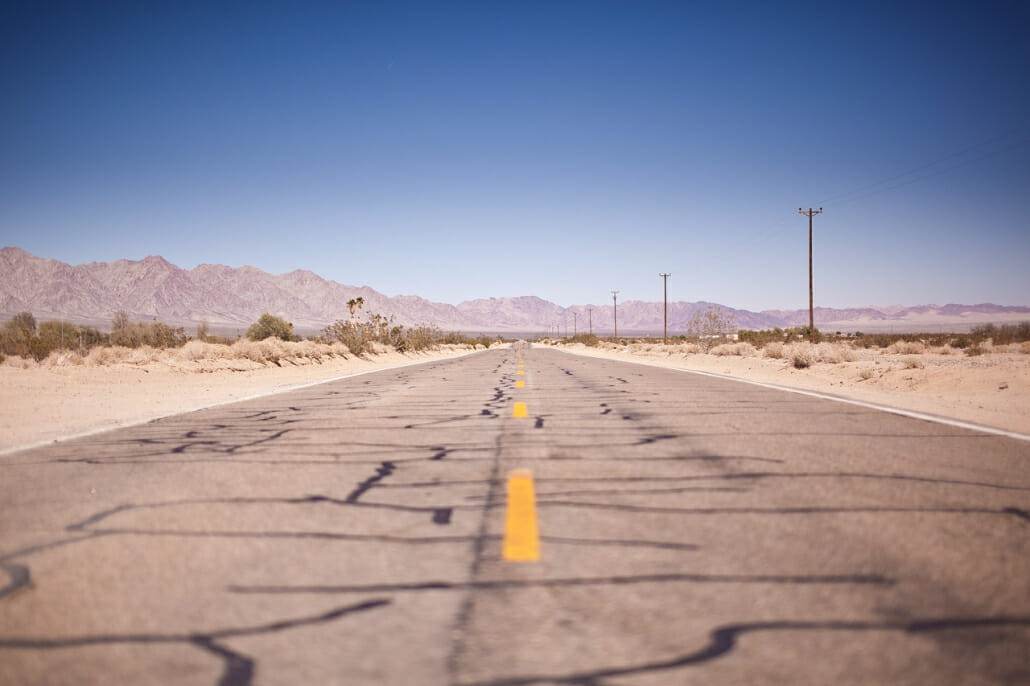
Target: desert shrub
975,350
906,348
734,349
270,326
129,334
867,373
913,362
774,350
1001,335
760,339
710,326
833,353
144,354
801,357
416,338
377,331
17,334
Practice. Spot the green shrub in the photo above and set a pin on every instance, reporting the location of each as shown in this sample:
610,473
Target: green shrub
588,339
269,326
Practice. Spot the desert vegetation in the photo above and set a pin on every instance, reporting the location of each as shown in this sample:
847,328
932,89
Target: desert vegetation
711,333
270,340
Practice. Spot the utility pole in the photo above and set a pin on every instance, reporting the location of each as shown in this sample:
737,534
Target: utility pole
665,327
574,319
590,319
615,313
811,307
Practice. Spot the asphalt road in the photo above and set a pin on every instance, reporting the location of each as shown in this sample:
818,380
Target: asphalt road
691,530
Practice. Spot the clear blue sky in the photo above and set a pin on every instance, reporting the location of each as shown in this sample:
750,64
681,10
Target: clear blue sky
559,149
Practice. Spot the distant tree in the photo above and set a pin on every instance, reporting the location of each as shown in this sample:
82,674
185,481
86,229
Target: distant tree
355,303
268,326
710,325
18,333
203,331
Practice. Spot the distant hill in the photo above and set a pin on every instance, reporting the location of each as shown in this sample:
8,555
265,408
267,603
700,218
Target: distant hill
232,298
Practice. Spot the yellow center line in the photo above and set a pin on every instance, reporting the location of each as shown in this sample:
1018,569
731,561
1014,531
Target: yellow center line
519,410
521,537
521,372
520,384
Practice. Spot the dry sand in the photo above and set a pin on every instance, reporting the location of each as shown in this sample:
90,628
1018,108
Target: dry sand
61,399
991,390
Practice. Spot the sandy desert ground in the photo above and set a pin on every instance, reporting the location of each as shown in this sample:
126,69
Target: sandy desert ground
69,396
64,397
991,390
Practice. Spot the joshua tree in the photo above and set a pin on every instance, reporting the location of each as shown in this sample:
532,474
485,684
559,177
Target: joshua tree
353,303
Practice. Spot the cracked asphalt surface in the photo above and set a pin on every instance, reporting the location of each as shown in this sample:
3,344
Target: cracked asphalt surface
692,530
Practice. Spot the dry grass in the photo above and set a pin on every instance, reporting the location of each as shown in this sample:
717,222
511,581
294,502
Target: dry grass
775,350
734,349
912,362
201,356
906,348
804,354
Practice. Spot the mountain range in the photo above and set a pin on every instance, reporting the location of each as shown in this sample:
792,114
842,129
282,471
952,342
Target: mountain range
230,299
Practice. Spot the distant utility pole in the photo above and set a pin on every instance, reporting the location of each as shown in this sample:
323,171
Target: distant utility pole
811,307
574,318
590,319
615,313
665,327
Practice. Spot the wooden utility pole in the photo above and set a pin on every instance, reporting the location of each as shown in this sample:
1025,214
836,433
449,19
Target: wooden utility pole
575,318
590,319
811,300
615,313
665,326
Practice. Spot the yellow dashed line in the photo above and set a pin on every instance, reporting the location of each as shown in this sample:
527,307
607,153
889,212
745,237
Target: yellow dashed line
520,384
521,538
520,410
521,372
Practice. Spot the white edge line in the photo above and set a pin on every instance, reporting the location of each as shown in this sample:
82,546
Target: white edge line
826,396
279,389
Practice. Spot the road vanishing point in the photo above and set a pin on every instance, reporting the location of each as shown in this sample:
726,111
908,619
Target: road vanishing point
519,516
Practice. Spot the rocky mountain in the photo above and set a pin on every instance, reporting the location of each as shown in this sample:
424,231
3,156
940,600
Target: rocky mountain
230,299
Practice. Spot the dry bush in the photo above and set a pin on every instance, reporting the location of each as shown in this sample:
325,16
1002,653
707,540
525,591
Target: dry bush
913,362
774,350
64,358
867,373
734,349
801,356
1024,347
834,353
906,348
104,356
